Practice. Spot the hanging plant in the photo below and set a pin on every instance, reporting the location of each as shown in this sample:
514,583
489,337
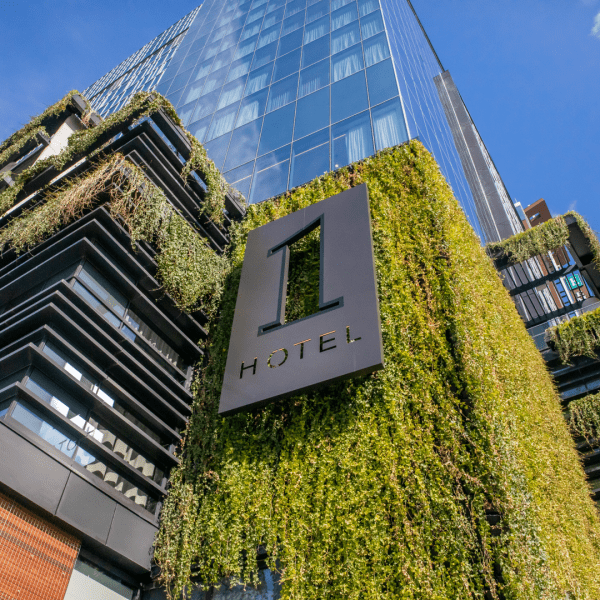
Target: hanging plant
579,336
584,419
379,487
541,239
189,270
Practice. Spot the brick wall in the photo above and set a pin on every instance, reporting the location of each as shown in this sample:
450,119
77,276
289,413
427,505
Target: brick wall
36,558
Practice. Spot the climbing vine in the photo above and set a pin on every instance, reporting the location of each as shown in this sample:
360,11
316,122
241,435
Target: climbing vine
141,105
18,139
379,487
584,418
541,239
189,270
579,336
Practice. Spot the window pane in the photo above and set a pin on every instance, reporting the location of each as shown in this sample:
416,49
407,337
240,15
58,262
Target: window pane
103,289
277,129
239,173
66,363
269,35
317,10
180,81
239,68
259,79
243,186
352,140
310,158
252,107
345,37
185,112
232,92
264,55
273,158
231,40
201,71
270,182
347,62
294,7
286,65
246,47
217,149
344,16
315,51
222,122
95,303
348,97
283,92
36,423
382,82
206,105
312,113
155,340
335,4
223,59
290,42
192,92
274,17
388,124
314,78
243,144
215,80
250,30
316,29
371,25
293,23
275,4
256,15
199,128
376,49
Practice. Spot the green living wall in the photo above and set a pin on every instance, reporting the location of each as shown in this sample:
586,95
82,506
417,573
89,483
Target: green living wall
450,474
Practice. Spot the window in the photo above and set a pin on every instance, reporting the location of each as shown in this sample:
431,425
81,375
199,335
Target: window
243,144
345,37
103,296
313,78
376,49
312,113
371,25
252,107
283,92
286,65
343,16
277,128
388,124
310,158
348,97
316,30
352,140
347,62
382,82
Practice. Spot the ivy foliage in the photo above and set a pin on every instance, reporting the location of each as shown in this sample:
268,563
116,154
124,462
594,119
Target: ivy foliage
141,105
579,336
18,139
584,418
541,239
189,270
544,238
378,487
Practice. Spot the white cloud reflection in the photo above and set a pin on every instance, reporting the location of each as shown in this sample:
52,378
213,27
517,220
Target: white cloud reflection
596,27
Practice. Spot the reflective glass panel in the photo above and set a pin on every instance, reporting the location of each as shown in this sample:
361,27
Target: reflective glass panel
310,158
286,65
277,129
312,113
388,124
382,82
283,92
313,78
348,97
376,49
243,144
352,140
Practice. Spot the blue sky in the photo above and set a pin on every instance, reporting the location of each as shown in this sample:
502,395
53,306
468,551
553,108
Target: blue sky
528,70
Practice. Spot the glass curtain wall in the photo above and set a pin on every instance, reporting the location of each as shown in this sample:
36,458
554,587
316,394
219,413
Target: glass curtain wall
281,92
416,66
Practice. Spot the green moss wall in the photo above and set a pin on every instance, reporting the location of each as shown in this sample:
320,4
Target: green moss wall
378,488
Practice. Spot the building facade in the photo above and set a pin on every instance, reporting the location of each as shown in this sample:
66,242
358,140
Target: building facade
282,92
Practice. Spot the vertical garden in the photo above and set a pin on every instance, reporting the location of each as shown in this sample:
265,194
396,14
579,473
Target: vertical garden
450,474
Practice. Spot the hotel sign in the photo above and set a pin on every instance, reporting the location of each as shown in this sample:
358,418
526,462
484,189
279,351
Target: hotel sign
270,359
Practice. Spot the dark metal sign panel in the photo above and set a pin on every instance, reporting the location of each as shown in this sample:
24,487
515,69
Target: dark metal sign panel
269,358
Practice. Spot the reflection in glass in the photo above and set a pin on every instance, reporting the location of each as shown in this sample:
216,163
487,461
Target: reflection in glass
347,63
376,49
277,129
316,30
290,42
343,16
259,79
388,124
270,182
239,68
310,158
371,25
223,121
243,144
264,55
317,10
269,35
35,422
103,289
283,92
345,37
382,82
286,65
252,107
232,92
199,128
293,23
352,140
312,113
348,97
314,78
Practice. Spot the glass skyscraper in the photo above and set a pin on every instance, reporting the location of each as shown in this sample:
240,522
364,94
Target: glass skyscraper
281,92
